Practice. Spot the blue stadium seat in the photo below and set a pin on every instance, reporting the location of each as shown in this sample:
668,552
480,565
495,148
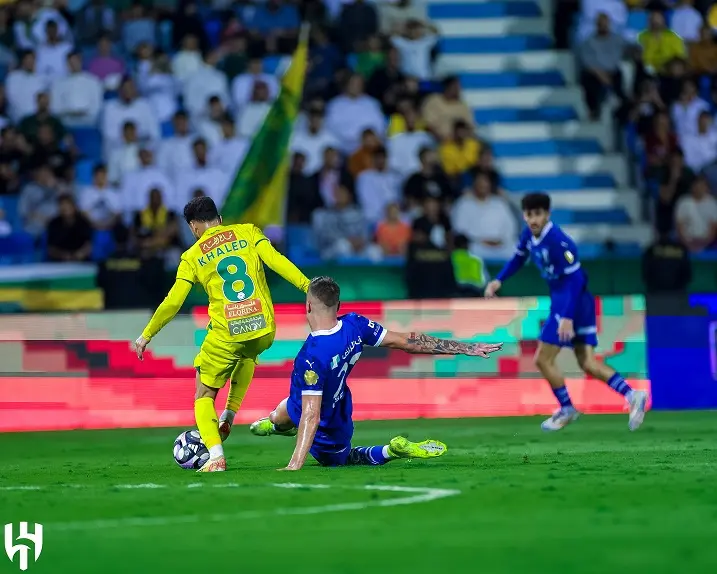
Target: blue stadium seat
213,28
17,248
165,31
9,204
89,140
83,171
103,245
167,129
637,20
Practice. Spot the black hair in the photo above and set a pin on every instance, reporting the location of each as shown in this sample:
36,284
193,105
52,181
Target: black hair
380,151
129,124
74,53
449,81
423,151
326,290
460,241
535,200
180,114
201,209
65,197
99,166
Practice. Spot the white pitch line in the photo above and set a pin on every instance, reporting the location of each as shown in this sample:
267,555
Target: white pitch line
419,495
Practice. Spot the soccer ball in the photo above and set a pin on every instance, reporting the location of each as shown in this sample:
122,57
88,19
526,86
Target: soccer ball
189,450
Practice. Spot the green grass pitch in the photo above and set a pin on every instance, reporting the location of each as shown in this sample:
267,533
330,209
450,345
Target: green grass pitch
594,498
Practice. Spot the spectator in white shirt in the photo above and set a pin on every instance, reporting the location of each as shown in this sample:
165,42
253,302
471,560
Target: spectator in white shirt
312,141
209,126
353,112
687,109
102,202
188,60
252,114
125,157
160,88
211,180
415,46
404,148
204,83
137,184
175,153
696,217
700,148
686,21
52,54
22,87
128,108
486,220
590,9
77,98
394,15
228,153
378,187
42,17
243,84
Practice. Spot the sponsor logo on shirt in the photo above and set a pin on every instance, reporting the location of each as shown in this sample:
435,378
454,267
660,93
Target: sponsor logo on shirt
247,324
243,309
217,240
311,378
569,257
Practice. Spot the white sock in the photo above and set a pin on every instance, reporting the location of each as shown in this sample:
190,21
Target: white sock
629,395
386,452
228,416
216,451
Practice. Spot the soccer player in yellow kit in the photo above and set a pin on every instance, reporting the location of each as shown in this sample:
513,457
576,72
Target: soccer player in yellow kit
227,261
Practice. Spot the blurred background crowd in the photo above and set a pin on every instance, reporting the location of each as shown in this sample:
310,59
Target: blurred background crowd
422,125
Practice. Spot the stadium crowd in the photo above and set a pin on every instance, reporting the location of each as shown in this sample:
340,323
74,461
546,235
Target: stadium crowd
668,110
383,155
112,116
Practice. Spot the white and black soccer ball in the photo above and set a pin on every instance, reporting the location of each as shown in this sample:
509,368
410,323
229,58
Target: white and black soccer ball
189,450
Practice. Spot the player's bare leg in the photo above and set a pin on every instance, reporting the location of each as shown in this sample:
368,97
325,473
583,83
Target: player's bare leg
278,422
636,399
545,361
208,426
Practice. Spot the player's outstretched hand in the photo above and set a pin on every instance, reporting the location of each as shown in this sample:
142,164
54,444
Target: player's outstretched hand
139,346
484,349
290,467
492,288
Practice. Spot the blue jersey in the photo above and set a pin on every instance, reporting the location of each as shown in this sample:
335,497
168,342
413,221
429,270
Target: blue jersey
321,368
556,257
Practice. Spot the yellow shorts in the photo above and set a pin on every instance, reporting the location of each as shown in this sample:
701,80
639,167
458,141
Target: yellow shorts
219,361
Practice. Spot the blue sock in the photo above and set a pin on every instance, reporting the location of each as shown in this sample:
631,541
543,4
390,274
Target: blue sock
618,384
368,455
561,393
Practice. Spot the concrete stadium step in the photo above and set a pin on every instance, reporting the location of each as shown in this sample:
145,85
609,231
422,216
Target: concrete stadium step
548,147
515,8
499,45
535,97
538,61
519,116
498,80
612,165
558,183
516,132
639,233
492,27
612,215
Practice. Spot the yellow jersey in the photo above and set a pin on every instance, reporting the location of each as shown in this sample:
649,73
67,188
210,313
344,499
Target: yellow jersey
227,260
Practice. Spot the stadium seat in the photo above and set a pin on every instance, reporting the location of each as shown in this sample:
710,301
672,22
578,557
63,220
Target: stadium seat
213,28
17,248
83,171
167,129
89,140
103,245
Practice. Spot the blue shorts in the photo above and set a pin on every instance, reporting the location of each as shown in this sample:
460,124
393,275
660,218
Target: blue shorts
584,323
329,451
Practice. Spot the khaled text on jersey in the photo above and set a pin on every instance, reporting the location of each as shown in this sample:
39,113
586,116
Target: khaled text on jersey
219,244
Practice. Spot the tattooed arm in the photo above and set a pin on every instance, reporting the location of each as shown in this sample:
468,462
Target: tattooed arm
420,343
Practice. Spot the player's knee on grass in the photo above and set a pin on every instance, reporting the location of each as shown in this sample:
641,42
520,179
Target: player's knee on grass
280,416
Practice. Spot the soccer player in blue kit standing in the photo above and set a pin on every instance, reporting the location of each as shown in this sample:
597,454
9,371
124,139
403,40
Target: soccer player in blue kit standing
319,406
572,321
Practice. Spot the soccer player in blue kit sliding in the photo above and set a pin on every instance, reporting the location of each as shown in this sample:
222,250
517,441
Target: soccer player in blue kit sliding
319,406
572,321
